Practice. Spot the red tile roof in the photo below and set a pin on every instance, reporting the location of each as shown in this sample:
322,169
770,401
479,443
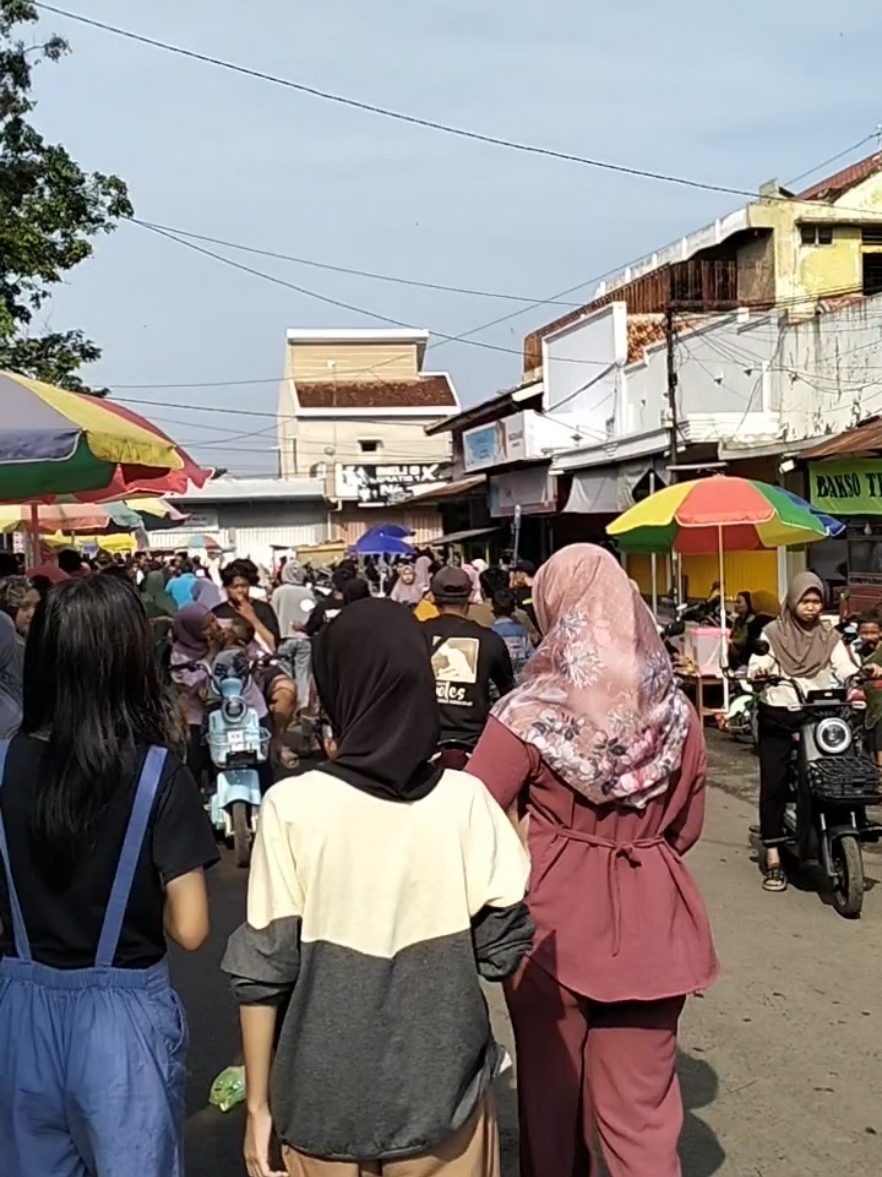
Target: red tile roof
424,392
643,330
833,186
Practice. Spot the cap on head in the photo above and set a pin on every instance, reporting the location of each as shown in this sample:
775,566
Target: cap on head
451,586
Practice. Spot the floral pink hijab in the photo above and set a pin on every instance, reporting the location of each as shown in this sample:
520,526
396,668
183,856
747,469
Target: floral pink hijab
598,699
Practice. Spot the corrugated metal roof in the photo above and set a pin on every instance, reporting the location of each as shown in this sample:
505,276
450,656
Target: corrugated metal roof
834,186
866,439
237,490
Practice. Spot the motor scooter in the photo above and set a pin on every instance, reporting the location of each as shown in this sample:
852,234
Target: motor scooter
830,785
237,745
741,720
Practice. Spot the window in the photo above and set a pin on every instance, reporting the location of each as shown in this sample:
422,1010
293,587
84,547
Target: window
816,234
872,273
370,446
872,234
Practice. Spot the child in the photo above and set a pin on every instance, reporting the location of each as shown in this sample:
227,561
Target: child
870,637
515,636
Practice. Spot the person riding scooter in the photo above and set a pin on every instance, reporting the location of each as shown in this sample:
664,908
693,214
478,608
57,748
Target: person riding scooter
803,648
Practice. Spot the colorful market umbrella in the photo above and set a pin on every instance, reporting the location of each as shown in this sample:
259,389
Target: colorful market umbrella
56,442
712,515
720,514
67,518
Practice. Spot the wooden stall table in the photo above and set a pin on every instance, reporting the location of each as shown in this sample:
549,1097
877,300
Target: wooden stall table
699,683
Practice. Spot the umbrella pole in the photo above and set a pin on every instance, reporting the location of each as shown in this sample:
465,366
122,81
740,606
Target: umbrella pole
34,531
724,648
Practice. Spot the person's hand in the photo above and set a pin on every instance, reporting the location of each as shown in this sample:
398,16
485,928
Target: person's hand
245,609
258,1138
873,670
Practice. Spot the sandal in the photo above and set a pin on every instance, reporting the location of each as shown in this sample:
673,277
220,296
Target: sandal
775,880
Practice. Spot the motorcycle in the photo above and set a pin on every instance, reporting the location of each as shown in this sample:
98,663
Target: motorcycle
741,721
831,784
238,745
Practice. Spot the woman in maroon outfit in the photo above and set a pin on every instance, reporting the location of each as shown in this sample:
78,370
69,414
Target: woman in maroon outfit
606,760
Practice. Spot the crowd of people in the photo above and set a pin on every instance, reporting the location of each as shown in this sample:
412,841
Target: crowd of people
386,882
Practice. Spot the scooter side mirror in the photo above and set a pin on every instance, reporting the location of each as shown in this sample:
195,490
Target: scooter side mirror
761,648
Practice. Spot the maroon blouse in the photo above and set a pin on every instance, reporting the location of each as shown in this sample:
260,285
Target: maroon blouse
618,916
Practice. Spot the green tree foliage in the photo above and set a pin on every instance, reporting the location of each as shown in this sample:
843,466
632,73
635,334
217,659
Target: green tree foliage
50,213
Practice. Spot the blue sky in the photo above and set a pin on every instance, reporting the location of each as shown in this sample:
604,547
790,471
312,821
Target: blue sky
733,96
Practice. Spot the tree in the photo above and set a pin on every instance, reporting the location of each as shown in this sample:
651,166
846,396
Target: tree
50,212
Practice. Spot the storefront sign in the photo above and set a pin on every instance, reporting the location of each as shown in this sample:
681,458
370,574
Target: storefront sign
483,447
384,485
504,441
847,488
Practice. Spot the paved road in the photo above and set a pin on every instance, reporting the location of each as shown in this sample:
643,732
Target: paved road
780,1062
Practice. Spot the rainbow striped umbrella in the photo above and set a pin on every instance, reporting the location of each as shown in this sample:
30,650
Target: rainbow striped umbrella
55,442
713,515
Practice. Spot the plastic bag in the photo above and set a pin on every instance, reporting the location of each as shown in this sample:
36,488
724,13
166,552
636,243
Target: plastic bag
228,1089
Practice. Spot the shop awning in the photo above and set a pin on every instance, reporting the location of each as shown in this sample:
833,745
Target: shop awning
450,490
594,492
609,490
458,537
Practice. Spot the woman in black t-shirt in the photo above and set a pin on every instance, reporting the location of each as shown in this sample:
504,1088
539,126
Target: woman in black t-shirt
103,845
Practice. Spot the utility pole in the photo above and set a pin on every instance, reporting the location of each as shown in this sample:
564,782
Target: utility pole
672,391
675,581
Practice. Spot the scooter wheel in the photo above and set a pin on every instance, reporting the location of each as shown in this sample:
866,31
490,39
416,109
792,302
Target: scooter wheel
848,885
241,833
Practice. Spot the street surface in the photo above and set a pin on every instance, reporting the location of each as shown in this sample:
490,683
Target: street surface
780,1062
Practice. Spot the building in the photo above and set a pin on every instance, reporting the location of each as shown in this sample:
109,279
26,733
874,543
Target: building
253,517
739,345
353,411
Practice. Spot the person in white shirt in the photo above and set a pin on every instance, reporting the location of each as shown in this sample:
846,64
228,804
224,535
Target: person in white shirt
808,650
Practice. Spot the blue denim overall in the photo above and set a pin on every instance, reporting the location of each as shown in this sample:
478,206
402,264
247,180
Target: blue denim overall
92,1061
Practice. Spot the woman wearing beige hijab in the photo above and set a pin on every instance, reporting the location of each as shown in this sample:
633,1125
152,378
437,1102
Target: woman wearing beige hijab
805,649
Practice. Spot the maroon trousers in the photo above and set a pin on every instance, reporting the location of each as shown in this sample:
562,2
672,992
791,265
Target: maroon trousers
582,1062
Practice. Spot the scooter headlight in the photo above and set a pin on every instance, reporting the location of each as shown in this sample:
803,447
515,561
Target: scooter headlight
233,709
833,736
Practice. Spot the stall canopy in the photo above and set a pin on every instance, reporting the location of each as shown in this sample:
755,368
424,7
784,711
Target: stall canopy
459,537
608,490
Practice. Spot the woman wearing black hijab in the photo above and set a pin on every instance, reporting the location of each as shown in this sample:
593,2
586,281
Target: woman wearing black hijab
381,888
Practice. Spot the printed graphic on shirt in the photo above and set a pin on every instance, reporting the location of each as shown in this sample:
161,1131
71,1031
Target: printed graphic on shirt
455,665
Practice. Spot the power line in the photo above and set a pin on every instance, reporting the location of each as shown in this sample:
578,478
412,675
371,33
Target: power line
335,269
336,302
388,113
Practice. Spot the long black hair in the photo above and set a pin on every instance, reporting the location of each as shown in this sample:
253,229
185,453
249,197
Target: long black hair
92,689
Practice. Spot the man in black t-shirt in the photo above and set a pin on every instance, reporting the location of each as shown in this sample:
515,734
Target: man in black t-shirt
522,584
466,658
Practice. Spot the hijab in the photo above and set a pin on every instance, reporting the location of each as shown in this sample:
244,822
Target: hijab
13,590
475,577
157,601
11,651
801,651
423,573
289,598
374,678
205,592
598,700
407,594
190,643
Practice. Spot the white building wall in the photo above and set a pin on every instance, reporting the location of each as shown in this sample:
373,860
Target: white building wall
582,370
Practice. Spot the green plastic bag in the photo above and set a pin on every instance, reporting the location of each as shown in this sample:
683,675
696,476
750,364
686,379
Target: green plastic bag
228,1089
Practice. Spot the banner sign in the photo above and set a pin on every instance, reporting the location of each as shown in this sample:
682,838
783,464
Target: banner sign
847,488
379,486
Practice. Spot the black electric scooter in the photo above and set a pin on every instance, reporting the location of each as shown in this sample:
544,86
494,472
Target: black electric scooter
832,781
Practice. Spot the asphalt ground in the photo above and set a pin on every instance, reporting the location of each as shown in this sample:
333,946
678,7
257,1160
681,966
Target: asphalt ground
779,1062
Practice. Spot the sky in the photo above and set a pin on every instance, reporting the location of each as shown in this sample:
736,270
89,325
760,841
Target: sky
730,96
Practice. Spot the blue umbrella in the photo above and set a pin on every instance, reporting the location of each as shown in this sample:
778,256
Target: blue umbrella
395,530
381,545
833,526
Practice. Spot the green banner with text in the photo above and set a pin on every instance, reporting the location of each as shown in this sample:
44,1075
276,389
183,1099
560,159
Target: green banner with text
847,488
